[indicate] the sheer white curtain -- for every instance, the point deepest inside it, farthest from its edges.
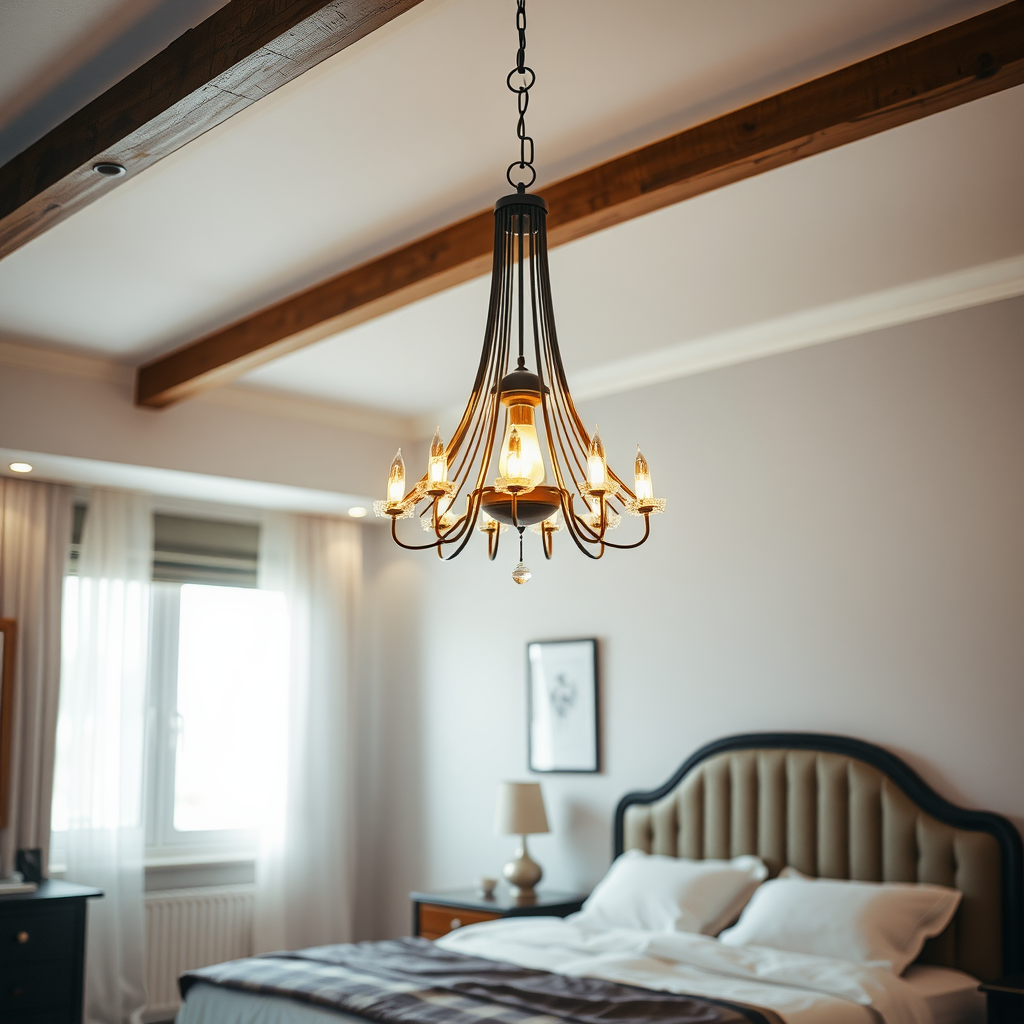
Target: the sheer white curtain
(305, 871)
(35, 535)
(100, 746)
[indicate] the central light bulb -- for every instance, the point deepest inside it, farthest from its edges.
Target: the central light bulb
(520, 448)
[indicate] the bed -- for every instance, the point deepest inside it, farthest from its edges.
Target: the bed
(818, 806)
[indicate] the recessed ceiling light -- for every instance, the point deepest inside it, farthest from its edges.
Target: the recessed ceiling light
(358, 512)
(111, 170)
(24, 467)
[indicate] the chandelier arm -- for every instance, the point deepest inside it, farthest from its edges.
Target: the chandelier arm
(402, 544)
(469, 533)
(581, 431)
(485, 354)
(497, 319)
(559, 387)
(642, 540)
(576, 523)
(521, 259)
(563, 435)
(569, 517)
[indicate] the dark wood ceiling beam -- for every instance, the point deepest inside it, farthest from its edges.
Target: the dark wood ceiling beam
(241, 53)
(964, 62)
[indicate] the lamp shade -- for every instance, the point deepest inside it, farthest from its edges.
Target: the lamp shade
(520, 809)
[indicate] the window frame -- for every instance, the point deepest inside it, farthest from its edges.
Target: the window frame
(165, 843)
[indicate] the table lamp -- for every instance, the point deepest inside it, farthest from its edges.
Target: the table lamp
(521, 813)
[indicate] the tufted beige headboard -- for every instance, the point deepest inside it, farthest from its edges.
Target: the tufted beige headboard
(835, 807)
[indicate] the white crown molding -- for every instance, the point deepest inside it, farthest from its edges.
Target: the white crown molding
(302, 407)
(48, 360)
(888, 308)
(174, 489)
(244, 399)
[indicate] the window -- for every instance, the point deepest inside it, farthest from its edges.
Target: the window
(218, 661)
(216, 707)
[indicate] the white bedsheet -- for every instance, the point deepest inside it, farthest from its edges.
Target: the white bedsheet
(802, 989)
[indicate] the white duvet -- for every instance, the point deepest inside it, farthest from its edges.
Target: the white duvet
(803, 989)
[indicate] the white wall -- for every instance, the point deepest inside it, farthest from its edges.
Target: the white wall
(843, 552)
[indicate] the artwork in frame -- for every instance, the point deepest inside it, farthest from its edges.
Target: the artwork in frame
(8, 634)
(562, 688)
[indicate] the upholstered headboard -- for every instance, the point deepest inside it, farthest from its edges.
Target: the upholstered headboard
(836, 807)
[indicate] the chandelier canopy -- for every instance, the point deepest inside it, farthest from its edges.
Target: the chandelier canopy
(472, 484)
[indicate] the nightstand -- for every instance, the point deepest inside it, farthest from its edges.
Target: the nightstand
(1005, 999)
(42, 952)
(437, 913)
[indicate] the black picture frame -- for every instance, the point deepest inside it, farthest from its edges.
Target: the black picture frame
(563, 733)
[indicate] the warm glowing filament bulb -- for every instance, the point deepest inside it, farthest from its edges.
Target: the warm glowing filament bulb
(437, 467)
(514, 455)
(396, 480)
(642, 479)
(520, 448)
(597, 468)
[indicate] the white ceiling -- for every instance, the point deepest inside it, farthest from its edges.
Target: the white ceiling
(57, 55)
(412, 127)
(897, 208)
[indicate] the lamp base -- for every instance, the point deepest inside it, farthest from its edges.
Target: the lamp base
(523, 873)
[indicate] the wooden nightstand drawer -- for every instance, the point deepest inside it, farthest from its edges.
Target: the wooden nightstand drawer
(436, 920)
(30, 934)
(438, 913)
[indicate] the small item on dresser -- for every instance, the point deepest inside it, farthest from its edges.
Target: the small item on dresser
(487, 886)
(16, 884)
(30, 864)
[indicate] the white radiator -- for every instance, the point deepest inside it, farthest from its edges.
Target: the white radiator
(188, 928)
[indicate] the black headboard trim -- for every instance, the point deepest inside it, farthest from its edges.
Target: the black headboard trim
(908, 780)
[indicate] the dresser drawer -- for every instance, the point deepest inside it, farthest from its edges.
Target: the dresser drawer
(28, 934)
(37, 991)
(437, 920)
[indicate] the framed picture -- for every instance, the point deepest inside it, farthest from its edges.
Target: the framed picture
(563, 731)
(8, 633)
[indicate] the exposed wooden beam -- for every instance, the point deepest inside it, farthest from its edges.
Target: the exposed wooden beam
(241, 53)
(939, 71)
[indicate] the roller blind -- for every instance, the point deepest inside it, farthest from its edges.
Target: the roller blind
(212, 551)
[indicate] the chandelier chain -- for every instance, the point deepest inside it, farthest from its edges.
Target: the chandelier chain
(525, 78)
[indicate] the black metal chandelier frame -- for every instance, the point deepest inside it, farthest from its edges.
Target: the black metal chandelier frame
(520, 269)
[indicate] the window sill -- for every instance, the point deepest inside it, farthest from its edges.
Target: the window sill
(197, 860)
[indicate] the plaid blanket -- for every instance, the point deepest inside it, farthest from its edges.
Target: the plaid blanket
(412, 981)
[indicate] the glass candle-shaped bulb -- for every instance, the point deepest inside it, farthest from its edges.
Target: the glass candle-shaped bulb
(396, 480)
(642, 479)
(437, 467)
(597, 467)
(529, 463)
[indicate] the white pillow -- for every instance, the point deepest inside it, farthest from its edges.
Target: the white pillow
(672, 894)
(868, 922)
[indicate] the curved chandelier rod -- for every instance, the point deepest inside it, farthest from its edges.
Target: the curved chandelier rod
(502, 479)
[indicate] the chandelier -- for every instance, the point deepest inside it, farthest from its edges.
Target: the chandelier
(472, 485)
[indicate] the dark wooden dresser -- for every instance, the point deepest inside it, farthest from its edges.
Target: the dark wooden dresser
(42, 954)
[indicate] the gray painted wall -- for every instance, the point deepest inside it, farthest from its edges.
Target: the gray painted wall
(843, 552)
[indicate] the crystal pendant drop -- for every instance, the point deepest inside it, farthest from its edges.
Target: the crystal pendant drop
(521, 574)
